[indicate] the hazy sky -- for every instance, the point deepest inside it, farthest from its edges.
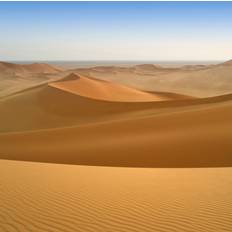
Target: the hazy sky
(115, 30)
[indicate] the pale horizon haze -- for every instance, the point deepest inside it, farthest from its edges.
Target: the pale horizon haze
(115, 31)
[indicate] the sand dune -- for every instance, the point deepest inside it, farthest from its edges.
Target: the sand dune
(227, 63)
(193, 80)
(47, 107)
(87, 119)
(17, 77)
(190, 80)
(107, 91)
(6, 67)
(48, 197)
(180, 133)
(197, 136)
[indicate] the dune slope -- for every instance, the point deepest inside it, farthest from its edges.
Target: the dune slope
(103, 90)
(194, 80)
(193, 137)
(6, 67)
(77, 100)
(47, 107)
(17, 77)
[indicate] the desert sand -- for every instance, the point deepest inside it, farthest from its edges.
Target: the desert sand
(141, 148)
(17, 77)
(51, 197)
(195, 80)
(103, 90)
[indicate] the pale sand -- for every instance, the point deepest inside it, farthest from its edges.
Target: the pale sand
(190, 80)
(6, 67)
(17, 77)
(197, 81)
(48, 197)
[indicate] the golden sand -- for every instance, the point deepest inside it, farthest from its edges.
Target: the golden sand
(151, 161)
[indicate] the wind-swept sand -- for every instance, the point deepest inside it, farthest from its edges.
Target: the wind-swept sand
(6, 67)
(165, 157)
(193, 136)
(193, 80)
(103, 90)
(18, 77)
(55, 105)
(48, 197)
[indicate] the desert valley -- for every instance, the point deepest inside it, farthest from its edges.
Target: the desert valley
(116, 148)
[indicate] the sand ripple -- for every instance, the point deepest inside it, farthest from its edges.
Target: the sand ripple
(49, 197)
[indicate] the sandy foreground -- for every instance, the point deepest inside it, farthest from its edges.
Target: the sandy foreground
(50, 197)
(79, 153)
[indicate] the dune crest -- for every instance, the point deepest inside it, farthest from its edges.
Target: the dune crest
(103, 90)
(227, 63)
(6, 67)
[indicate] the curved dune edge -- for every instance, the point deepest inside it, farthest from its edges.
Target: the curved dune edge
(46, 107)
(161, 136)
(106, 91)
(79, 198)
(181, 139)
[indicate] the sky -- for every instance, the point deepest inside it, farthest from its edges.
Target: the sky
(115, 31)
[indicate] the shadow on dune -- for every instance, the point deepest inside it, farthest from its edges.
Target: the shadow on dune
(103, 133)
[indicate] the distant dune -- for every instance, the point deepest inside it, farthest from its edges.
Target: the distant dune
(17, 77)
(6, 67)
(107, 91)
(192, 80)
(227, 63)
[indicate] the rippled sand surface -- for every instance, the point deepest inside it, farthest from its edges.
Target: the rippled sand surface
(50, 197)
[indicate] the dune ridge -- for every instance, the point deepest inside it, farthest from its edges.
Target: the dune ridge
(193, 80)
(107, 91)
(46, 107)
(150, 140)
(15, 78)
(6, 67)
(190, 80)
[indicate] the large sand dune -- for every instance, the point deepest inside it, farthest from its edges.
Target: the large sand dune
(107, 91)
(144, 135)
(48, 107)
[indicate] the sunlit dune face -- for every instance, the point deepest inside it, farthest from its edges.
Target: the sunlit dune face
(107, 91)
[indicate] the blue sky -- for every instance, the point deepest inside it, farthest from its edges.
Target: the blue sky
(115, 30)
